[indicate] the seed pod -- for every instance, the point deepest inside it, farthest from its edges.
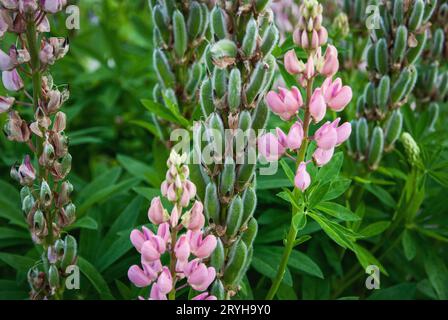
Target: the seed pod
(250, 38)
(443, 85)
(415, 53)
(161, 22)
(38, 220)
(206, 98)
(360, 106)
(219, 25)
(208, 59)
(234, 216)
(400, 44)
(260, 5)
(234, 94)
(251, 232)
(194, 22)
(199, 178)
(260, 116)
(70, 213)
(370, 96)
(212, 207)
(416, 18)
(270, 74)
(371, 56)
(235, 266)
(250, 203)
(245, 173)
(217, 257)
(180, 34)
(398, 11)
(438, 43)
(382, 56)
(53, 277)
(381, 31)
(163, 69)
(48, 155)
(351, 142)
(204, 19)
(270, 39)
(412, 80)
(157, 93)
(170, 6)
(393, 128)
(256, 81)
(383, 92)
(376, 148)
(218, 290)
(433, 115)
(362, 136)
(399, 88)
(216, 132)
(28, 203)
(244, 121)
(430, 7)
(432, 76)
(220, 82)
(227, 177)
(70, 252)
(46, 195)
(223, 53)
(195, 77)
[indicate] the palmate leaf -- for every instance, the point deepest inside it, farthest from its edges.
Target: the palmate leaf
(18, 262)
(139, 169)
(169, 114)
(366, 259)
(338, 211)
(375, 229)
(268, 268)
(330, 171)
(437, 273)
(95, 278)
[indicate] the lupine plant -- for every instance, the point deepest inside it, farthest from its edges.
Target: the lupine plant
(240, 70)
(40, 125)
(300, 144)
(179, 39)
(177, 237)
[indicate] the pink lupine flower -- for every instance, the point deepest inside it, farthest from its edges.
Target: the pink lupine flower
(165, 281)
(322, 156)
(53, 6)
(153, 248)
(174, 217)
(138, 277)
(295, 136)
(6, 103)
(302, 179)
(317, 105)
(286, 103)
(156, 294)
(6, 63)
(26, 172)
(309, 68)
(201, 248)
(269, 147)
(182, 248)
(292, 64)
(204, 296)
(164, 232)
(194, 219)
(330, 63)
(12, 80)
(323, 36)
(198, 275)
(326, 136)
(137, 239)
(314, 40)
(156, 212)
(336, 96)
(344, 131)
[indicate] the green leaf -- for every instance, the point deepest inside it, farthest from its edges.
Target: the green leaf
(148, 126)
(338, 187)
(18, 262)
(366, 259)
(269, 269)
(299, 221)
(95, 278)
(105, 180)
(288, 171)
(331, 170)
(288, 196)
(120, 247)
(301, 262)
(139, 169)
(85, 223)
(438, 274)
(318, 194)
(148, 193)
(382, 195)
(403, 291)
(9, 233)
(338, 211)
(375, 229)
(409, 245)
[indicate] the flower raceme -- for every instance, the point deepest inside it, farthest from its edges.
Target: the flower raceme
(165, 240)
(287, 104)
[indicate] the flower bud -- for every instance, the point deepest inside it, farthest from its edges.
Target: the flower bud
(156, 213)
(292, 64)
(26, 172)
(302, 179)
(138, 277)
(48, 155)
(28, 204)
(46, 195)
(211, 204)
(182, 248)
(295, 136)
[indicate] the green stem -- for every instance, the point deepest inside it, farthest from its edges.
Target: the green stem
(292, 234)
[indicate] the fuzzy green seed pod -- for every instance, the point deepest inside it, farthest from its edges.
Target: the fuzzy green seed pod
(383, 92)
(438, 43)
(399, 88)
(218, 256)
(250, 39)
(194, 22)
(234, 94)
(70, 252)
(170, 6)
(398, 11)
(163, 69)
(28, 203)
(235, 266)
(206, 98)
(218, 22)
(360, 106)
(269, 41)
(24, 192)
(227, 177)
(270, 74)
(251, 232)
(376, 148)
(208, 59)
(394, 125)
(382, 56)
(218, 290)
(400, 44)
(212, 206)
(220, 82)
(412, 80)
(371, 56)
(45, 194)
(256, 81)
(260, 5)
(198, 177)
(244, 121)
(430, 7)
(260, 116)
(180, 34)
(194, 79)
(53, 277)
(362, 136)
(250, 203)
(205, 19)
(245, 173)
(223, 53)
(234, 216)
(161, 22)
(351, 142)
(370, 96)
(443, 85)
(432, 76)
(416, 18)
(381, 31)
(38, 220)
(415, 53)
(434, 111)
(411, 148)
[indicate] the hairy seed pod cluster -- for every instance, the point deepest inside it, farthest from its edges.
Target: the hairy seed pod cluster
(240, 70)
(396, 45)
(45, 193)
(180, 34)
